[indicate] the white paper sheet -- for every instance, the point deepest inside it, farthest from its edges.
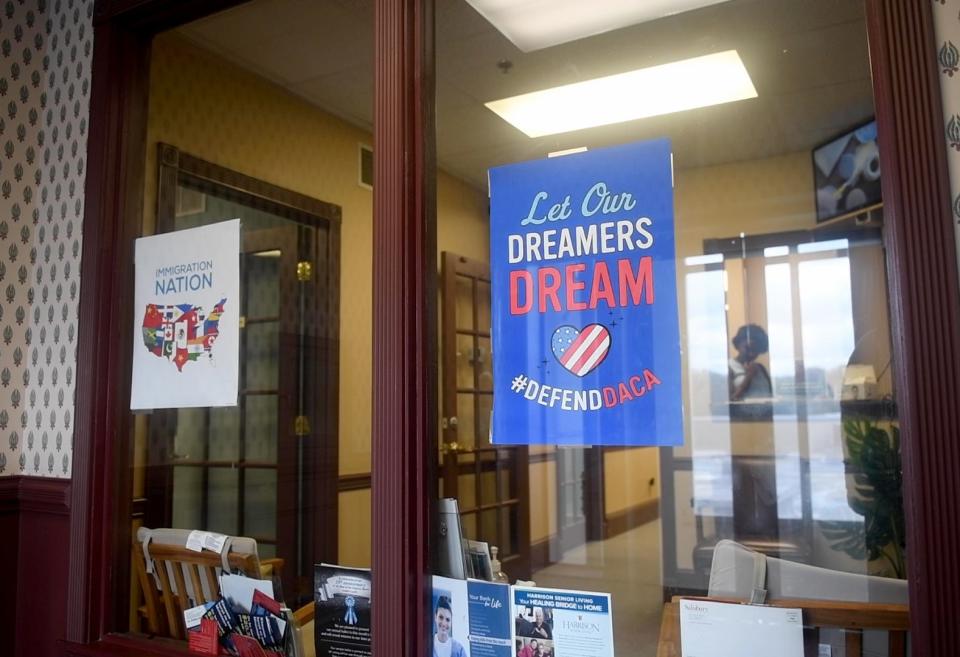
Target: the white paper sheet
(715, 629)
(186, 318)
(199, 540)
(214, 542)
(192, 616)
(195, 540)
(238, 590)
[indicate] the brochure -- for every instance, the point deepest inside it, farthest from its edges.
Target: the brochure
(342, 619)
(558, 623)
(450, 615)
(471, 618)
(490, 631)
(478, 554)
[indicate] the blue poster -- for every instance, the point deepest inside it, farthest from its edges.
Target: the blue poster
(490, 631)
(586, 339)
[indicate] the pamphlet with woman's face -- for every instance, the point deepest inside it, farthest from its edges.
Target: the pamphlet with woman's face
(451, 618)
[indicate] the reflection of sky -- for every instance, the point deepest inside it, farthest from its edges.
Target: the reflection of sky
(706, 317)
(706, 322)
(780, 321)
(827, 313)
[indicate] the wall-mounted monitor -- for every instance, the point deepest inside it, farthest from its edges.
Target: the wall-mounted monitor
(846, 172)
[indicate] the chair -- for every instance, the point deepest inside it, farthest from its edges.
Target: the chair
(733, 572)
(303, 630)
(176, 578)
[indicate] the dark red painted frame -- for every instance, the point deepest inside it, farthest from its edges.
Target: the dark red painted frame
(921, 262)
(925, 310)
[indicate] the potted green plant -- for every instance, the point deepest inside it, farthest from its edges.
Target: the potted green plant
(875, 483)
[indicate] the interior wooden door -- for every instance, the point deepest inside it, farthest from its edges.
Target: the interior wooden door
(241, 470)
(267, 467)
(490, 482)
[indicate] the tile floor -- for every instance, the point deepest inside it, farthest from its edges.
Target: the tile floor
(628, 567)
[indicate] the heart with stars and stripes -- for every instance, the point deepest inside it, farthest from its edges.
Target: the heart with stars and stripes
(581, 350)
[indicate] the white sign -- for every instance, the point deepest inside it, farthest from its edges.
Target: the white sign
(715, 629)
(558, 622)
(186, 328)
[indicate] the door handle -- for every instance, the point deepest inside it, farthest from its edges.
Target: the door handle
(451, 448)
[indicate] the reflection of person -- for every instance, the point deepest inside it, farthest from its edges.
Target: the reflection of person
(532, 649)
(445, 645)
(521, 625)
(748, 378)
(540, 628)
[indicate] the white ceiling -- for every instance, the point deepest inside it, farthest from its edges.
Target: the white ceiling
(807, 58)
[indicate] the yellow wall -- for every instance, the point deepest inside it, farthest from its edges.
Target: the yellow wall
(353, 518)
(216, 111)
(627, 476)
(754, 197)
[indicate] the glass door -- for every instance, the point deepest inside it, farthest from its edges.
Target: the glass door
(488, 482)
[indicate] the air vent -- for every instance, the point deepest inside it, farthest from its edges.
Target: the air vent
(366, 166)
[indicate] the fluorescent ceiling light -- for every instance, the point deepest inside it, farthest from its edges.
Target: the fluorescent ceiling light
(535, 24)
(568, 151)
(776, 251)
(674, 87)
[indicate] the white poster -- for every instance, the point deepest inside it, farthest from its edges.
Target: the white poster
(186, 328)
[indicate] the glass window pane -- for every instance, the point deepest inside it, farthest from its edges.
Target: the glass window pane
(784, 347)
(278, 145)
(261, 428)
(261, 274)
(262, 358)
(466, 358)
(464, 303)
(223, 514)
(467, 429)
(260, 503)
(224, 427)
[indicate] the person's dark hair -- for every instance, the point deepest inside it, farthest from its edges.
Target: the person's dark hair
(753, 334)
(443, 602)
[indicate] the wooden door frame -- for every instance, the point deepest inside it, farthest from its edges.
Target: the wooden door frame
(517, 564)
(321, 445)
(922, 265)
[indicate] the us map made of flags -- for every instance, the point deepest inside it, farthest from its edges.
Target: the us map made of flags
(181, 333)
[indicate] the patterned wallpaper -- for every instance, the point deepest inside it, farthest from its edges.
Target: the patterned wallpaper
(46, 48)
(946, 19)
